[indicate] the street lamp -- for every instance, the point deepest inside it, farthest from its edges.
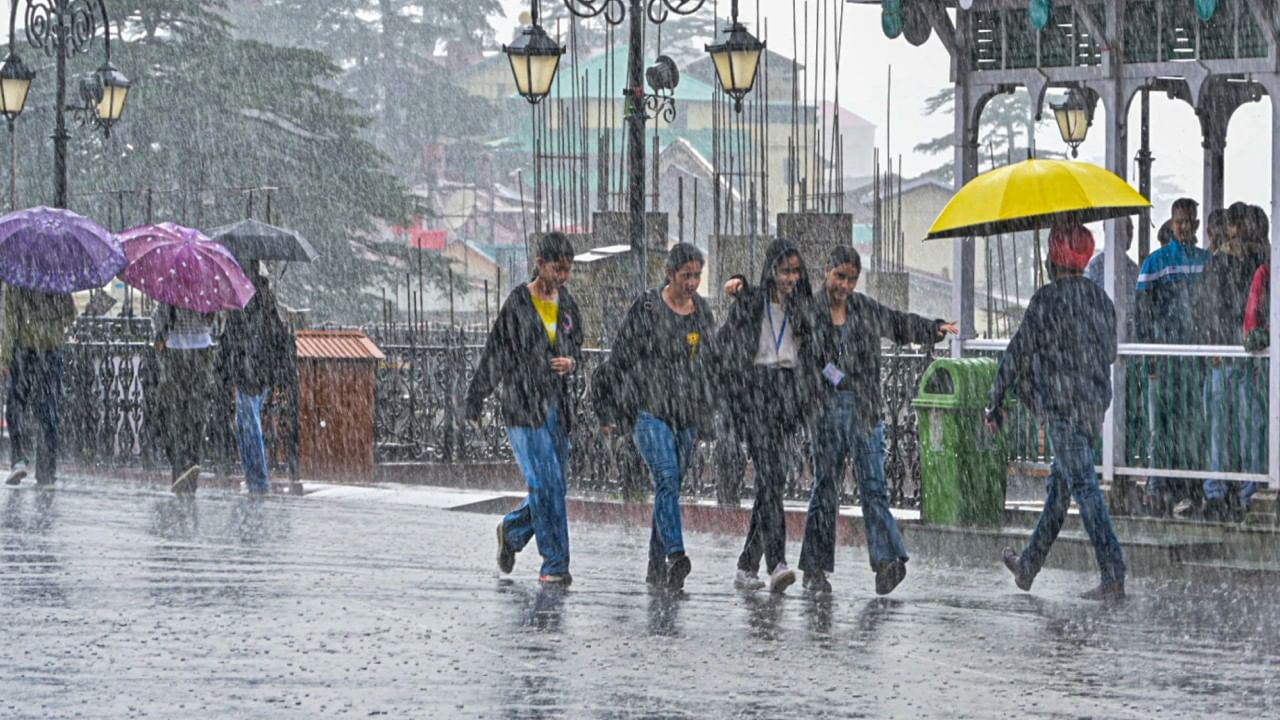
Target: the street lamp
(1074, 115)
(61, 28)
(736, 60)
(534, 59)
(534, 72)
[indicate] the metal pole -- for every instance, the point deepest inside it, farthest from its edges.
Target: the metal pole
(1144, 177)
(60, 134)
(635, 115)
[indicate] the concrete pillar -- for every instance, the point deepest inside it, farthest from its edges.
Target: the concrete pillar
(1115, 97)
(967, 113)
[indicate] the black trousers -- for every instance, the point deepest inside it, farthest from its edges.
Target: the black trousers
(187, 388)
(774, 417)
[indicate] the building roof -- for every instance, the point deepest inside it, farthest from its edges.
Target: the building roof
(336, 345)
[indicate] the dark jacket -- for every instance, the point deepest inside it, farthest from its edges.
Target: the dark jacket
(257, 348)
(654, 369)
(739, 338)
(517, 362)
(1222, 295)
(1061, 355)
(867, 322)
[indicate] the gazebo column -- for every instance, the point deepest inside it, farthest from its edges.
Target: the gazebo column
(1213, 129)
(1272, 84)
(963, 257)
(1115, 97)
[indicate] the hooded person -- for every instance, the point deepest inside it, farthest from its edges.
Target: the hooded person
(1060, 359)
(770, 382)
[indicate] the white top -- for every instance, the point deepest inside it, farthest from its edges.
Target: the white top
(777, 347)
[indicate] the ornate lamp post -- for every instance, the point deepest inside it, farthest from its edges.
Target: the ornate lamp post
(738, 54)
(1074, 115)
(61, 28)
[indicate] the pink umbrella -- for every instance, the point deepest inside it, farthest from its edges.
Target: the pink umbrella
(181, 267)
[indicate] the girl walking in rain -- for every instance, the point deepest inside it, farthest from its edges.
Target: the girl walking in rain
(769, 352)
(852, 325)
(663, 363)
(533, 347)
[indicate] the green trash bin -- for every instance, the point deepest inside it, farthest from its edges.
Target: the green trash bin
(964, 467)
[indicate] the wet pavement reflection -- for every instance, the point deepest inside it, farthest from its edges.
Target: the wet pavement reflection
(124, 601)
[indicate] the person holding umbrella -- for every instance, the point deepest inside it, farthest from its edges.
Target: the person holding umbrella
(35, 326)
(192, 279)
(1061, 359)
(45, 255)
(534, 346)
(256, 348)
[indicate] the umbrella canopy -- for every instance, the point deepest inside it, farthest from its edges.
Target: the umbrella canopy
(1035, 194)
(56, 251)
(181, 267)
(254, 240)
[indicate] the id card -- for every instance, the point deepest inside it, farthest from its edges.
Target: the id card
(832, 374)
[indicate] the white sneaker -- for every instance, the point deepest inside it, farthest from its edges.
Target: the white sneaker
(17, 473)
(186, 482)
(781, 578)
(747, 581)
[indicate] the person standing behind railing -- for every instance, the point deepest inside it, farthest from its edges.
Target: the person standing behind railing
(1061, 359)
(1165, 292)
(1219, 320)
(535, 344)
(31, 342)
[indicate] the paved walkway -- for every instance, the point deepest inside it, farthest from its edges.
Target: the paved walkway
(124, 601)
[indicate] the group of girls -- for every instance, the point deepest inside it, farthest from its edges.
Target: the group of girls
(785, 358)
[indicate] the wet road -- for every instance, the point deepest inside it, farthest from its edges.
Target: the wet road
(122, 601)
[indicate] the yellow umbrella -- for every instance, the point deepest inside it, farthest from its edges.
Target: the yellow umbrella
(1035, 194)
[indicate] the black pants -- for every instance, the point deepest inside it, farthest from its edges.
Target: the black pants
(35, 384)
(774, 416)
(186, 386)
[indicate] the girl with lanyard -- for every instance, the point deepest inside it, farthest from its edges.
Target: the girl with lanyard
(851, 325)
(662, 362)
(768, 352)
(532, 348)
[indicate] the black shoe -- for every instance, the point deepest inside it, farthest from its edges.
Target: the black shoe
(18, 473)
(1105, 592)
(889, 575)
(560, 579)
(657, 573)
(678, 568)
(506, 556)
(816, 583)
(1216, 510)
(187, 481)
(1022, 580)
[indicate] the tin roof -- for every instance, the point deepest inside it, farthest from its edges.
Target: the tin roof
(337, 345)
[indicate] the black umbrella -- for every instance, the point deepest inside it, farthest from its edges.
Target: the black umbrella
(252, 240)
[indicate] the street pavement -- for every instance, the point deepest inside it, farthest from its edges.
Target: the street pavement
(121, 600)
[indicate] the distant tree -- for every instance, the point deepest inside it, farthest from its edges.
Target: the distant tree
(208, 114)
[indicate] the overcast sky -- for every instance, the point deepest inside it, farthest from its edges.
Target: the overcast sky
(920, 71)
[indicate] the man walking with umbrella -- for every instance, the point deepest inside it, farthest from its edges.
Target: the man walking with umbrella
(31, 342)
(1060, 359)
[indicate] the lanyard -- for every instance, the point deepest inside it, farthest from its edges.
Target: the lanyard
(777, 340)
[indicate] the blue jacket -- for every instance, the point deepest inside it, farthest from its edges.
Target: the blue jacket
(1166, 288)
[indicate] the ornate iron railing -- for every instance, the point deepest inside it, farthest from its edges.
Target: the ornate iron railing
(417, 418)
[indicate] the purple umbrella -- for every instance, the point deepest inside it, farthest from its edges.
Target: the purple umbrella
(56, 251)
(181, 267)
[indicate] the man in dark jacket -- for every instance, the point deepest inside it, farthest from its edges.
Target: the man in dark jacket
(257, 351)
(1061, 358)
(768, 347)
(533, 347)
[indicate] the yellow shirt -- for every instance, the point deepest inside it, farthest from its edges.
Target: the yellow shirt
(548, 311)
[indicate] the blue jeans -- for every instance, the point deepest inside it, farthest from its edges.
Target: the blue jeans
(1071, 475)
(543, 456)
(253, 450)
(839, 436)
(35, 381)
(1234, 416)
(666, 452)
